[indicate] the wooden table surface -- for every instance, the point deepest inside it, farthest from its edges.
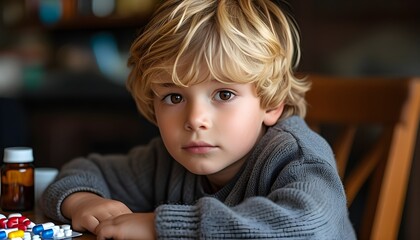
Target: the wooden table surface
(38, 217)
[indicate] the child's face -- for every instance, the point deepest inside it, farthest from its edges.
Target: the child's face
(209, 127)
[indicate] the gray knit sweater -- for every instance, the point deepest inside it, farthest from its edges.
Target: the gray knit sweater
(289, 188)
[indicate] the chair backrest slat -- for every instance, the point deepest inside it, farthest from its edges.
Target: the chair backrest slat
(393, 107)
(376, 100)
(342, 147)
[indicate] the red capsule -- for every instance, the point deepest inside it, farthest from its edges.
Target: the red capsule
(3, 223)
(26, 223)
(22, 219)
(12, 222)
(21, 226)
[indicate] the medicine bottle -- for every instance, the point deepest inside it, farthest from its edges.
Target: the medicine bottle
(17, 179)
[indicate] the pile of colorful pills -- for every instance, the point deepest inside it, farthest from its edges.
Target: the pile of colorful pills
(17, 227)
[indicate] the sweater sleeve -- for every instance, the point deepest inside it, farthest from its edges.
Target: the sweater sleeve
(311, 206)
(126, 178)
(76, 176)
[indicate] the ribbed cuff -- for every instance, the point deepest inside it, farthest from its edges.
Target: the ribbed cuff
(177, 221)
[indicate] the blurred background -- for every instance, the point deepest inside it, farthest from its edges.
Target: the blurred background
(63, 69)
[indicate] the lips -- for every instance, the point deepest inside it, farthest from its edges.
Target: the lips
(199, 147)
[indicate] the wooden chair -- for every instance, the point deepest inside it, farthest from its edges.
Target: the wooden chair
(383, 171)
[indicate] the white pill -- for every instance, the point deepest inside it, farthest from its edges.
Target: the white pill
(68, 233)
(15, 215)
(66, 227)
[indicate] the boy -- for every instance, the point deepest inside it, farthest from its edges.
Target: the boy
(235, 159)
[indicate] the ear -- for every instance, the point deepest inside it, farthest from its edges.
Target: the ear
(273, 114)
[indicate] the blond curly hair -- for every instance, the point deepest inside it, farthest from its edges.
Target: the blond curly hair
(237, 41)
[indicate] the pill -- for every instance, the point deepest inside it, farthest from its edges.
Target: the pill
(5, 232)
(16, 234)
(52, 233)
(21, 226)
(30, 225)
(66, 227)
(49, 233)
(68, 232)
(26, 223)
(59, 234)
(3, 223)
(2, 216)
(41, 227)
(12, 222)
(22, 219)
(15, 215)
(27, 236)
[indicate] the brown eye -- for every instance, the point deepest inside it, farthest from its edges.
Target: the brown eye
(176, 98)
(172, 99)
(224, 95)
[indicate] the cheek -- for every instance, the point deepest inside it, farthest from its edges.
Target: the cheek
(244, 124)
(166, 124)
(167, 133)
(250, 116)
(240, 137)
(170, 124)
(163, 121)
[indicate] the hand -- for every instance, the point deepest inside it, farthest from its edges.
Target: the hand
(127, 226)
(86, 210)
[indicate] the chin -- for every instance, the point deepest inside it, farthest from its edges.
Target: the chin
(202, 171)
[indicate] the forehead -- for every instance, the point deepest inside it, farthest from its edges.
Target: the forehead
(184, 74)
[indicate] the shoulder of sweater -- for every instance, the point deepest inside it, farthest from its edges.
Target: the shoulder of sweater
(309, 143)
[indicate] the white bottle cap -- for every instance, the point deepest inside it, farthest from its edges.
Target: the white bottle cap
(18, 155)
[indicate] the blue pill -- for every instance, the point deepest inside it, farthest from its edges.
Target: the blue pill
(49, 233)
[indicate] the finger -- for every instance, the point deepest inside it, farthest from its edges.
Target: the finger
(106, 230)
(85, 224)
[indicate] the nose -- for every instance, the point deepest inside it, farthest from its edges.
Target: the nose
(197, 117)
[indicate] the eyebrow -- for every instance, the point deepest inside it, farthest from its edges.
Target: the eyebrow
(166, 85)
